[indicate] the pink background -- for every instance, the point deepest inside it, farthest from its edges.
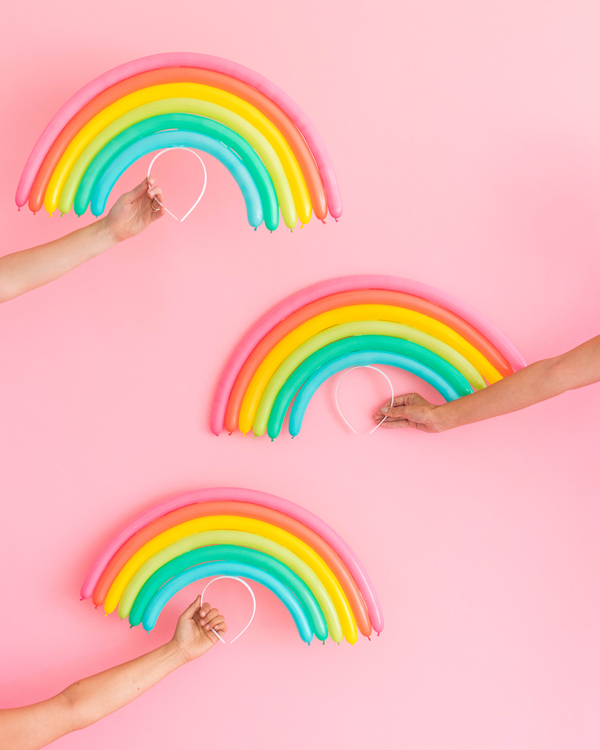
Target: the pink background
(466, 138)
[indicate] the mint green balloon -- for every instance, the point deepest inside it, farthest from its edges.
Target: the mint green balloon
(231, 553)
(241, 539)
(350, 337)
(185, 122)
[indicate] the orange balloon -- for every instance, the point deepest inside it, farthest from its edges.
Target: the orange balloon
(247, 510)
(222, 81)
(354, 297)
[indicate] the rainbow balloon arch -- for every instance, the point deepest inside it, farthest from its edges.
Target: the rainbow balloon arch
(355, 321)
(183, 100)
(237, 532)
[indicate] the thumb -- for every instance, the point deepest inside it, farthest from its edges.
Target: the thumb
(191, 610)
(137, 191)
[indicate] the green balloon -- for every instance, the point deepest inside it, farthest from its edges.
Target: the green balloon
(232, 553)
(350, 337)
(176, 121)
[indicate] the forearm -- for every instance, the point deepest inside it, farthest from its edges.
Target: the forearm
(92, 698)
(25, 270)
(531, 385)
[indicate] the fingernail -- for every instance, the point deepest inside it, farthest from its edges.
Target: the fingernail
(384, 410)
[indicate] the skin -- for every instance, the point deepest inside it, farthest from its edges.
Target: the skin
(93, 698)
(25, 270)
(534, 383)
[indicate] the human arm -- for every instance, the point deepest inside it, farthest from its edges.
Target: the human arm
(534, 383)
(25, 270)
(93, 698)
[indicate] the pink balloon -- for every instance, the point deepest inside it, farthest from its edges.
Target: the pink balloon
(191, 60)
(344, 284)
(251, 496)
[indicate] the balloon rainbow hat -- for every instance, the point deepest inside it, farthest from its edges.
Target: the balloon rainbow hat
(243, 533)
(183, 100)
(348, 322)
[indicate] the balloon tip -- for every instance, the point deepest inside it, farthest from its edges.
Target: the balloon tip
(18, 208)
(292, 231)
(378, 634)
(336, 220)
(34, 213)
(255, 228)
(323, 221)
(96, 607)
(81, 598)
(369, 637)
(230, 434)
(130, 627)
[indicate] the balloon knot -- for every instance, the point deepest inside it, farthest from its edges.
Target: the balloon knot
(34, 213)
(255, 228)
(18, 208)
(272, 439)
(96, 607)
(336, 221)
(369, 637)
(301, 226)
(230, 434)
(378, 634)
(130, 627)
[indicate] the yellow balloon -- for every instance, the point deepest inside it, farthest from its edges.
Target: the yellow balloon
(348, 314)
(233, 104)
(239, 523)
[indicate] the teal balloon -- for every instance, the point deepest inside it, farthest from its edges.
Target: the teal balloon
(189, 123)
(446, 372)
(239, 569)
(358, 359)
(179, 139)
(231, 553)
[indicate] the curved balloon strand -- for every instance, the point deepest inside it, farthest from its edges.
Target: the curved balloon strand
(234, 112)
(182, 59)
(228, 553)
(346, 315)
(238, 494)
(356, 359)
(195, 107)
(130, 604)
(184, 75)
(163, 595)
(179, 139)
(106, 583)
(181, 122)
(220, 413)
(238, 523)
(278, 398)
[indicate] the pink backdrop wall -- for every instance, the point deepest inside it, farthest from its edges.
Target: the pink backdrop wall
(466, 137)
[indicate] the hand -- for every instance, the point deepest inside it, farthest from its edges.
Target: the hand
(410, 410)
(193, 635)
(135, 210)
